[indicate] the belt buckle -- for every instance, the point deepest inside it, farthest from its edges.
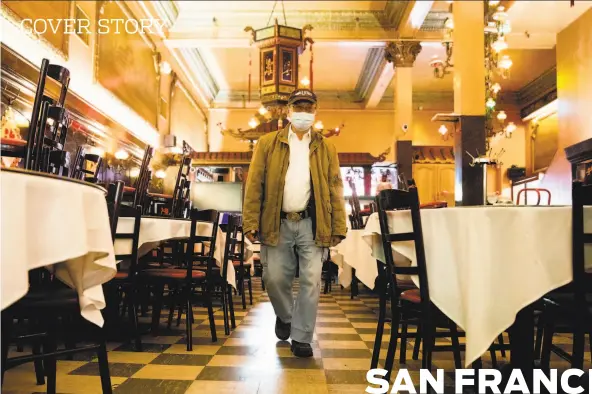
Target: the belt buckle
(293, 216)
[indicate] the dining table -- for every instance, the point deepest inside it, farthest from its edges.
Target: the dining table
(487, 265)
(156, 229)
(58, 223)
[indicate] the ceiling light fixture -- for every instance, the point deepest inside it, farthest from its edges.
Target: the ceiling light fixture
(121, 154)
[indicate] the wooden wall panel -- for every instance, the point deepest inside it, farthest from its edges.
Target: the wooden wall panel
(46, 10)
(125, 64)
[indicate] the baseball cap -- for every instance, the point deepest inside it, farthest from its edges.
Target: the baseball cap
(302, 95)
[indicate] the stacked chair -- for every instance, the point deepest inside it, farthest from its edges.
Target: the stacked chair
(569, 309)
(48, 128)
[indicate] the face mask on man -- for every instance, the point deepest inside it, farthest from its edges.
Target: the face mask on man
(302, 120)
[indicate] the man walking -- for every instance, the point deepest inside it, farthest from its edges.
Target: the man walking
(294, 206)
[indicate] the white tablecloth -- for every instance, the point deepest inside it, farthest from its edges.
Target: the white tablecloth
(155, 230)
(59, 224)
(487, 263)
(352, 254)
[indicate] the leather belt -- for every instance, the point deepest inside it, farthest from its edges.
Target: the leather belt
(295, 216)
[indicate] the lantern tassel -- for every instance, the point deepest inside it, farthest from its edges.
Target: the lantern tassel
(311, 63)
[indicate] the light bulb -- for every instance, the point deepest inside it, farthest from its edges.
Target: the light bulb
(499, 45)
(501, 116)
(495, 88)
(449, 24)
(160, 174)
(505, 62)
(165, 68)
(318, 125)
(305, 81)
(262, 110)
(121, 154)
(510, 128)
(493, 3)
(253, 123)
(95, 150)
(337, 129)
(506, 27)
(443, 130)
(134, 172)
(490, 103)
(500, 15)
(176, 150)
(490, 28)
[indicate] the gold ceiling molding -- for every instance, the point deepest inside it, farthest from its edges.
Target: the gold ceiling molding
(127, 64)
(17, 11)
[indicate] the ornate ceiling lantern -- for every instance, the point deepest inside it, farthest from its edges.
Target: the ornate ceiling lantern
(279, 49)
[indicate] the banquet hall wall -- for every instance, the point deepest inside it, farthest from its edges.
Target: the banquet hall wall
(574, 91)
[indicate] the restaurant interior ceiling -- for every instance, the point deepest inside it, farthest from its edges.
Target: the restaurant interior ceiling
(349, 39)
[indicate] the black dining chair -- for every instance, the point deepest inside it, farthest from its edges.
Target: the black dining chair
(569, 309)
(37, 124)
(410, 306)
(125, 281)
(241, 267)
(86, 166)
(187, 277)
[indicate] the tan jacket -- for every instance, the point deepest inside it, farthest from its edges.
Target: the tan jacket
(265, 188)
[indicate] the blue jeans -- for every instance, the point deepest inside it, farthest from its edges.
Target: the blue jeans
(279, 268)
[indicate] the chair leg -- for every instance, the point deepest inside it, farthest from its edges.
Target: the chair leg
(208, 300)
(500, 340)
(579, 339)
(392, 348)
(403, 351)
(133, 316)
(262, 284)
(189, 320)
(250, 287)
(429, 338)
(173, 302)
(538, 344)
(19, 346)
(493, 358)
(242, 291)
(104, 368)
(417, 343)
(231, 307)
(224, 300)
(157, 308)
(50, 363)
(455, 345)
(379, 328)
(547, 340)
(6, 333)
(181, 309)
(38, 363)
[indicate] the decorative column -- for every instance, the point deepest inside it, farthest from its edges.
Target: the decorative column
(403, 54)
(469, 99)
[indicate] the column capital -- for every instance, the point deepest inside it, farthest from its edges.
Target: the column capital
(402, 53)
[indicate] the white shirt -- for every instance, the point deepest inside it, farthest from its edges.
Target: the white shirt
(297, 184)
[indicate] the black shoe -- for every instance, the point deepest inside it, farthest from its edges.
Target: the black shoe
(300, 349)
(282, 330)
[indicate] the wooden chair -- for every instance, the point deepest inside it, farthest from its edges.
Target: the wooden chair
(125, 280)
(138, 193)
(569, 309)
(410, 306)
(538, 191)
(237, 255)
(50, 138)
(186, 278)
(62, 76)
(86, 166)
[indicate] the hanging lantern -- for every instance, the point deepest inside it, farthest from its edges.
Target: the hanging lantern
(278, 53)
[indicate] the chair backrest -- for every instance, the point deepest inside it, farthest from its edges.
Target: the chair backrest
(141, 184)
(50, 137)
(212, 218)
(133, 237)
(582, 280)
(182, 189)
(355, 216)
(230, 252)
(114, 198)
(395, 200)
(538, 191)
(62, 76)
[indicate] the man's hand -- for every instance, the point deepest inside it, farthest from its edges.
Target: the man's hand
(335, 241)
(251, 236)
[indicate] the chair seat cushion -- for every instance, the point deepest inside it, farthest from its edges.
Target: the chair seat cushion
(172, 273)
(160, 195)
(50, 298)
(129, 189)
(411, 296)
(121, 275)
(158, 265)
(237, 263)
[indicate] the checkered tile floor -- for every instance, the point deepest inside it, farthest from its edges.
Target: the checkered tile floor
(250, 360)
